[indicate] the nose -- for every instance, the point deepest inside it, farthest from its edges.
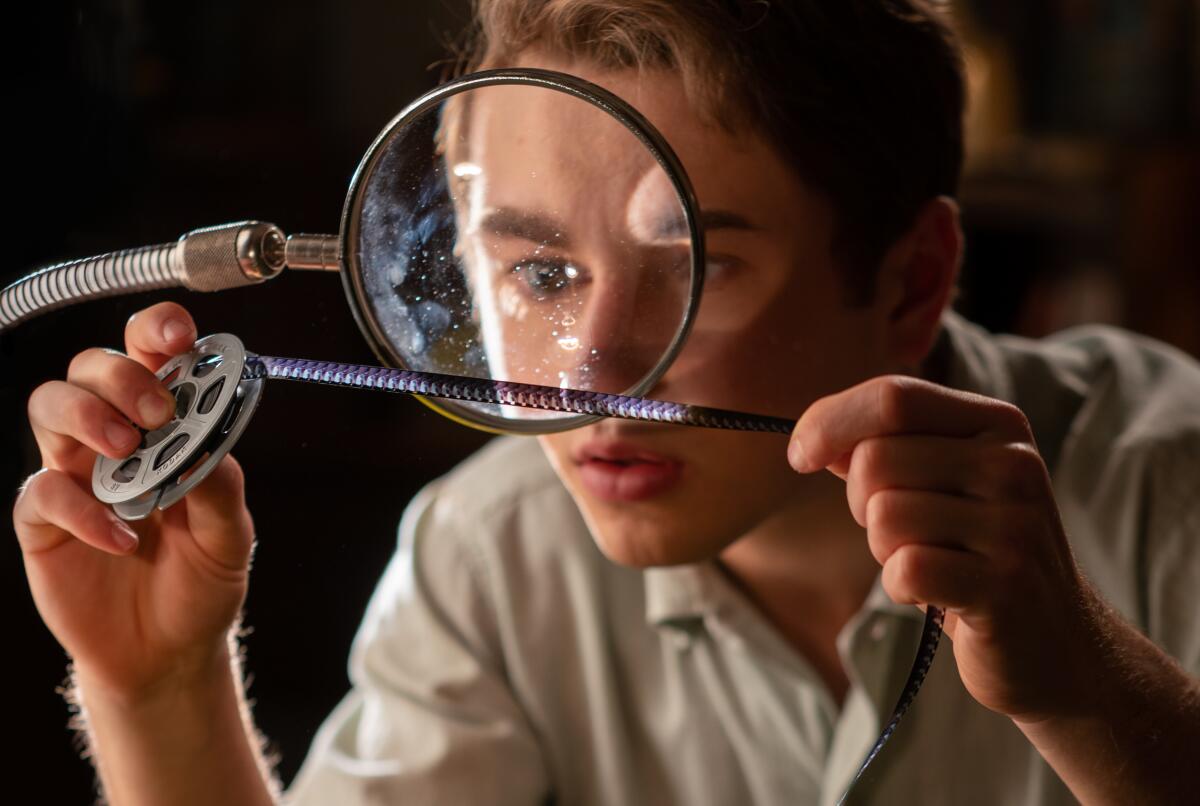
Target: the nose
(627, 323)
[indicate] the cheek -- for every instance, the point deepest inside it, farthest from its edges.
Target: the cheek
(782, 361)
(557, 448)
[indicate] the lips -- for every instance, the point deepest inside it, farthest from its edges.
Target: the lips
(622, 472)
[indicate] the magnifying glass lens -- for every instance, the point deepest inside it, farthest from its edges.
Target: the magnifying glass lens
(519, 233)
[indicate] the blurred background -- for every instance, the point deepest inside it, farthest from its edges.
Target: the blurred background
(131, 122)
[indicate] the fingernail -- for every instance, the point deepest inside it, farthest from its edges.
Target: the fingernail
(154, 409)
(796, 456)
(175, 330)
(120, 436)
(123, 535)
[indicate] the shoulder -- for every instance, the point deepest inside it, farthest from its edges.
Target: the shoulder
(1138, 421)
(478, 549)
(503, 475)
(1093, 394)
(504, 495)
(504, 516)
(1132, 450)
(1141, 390)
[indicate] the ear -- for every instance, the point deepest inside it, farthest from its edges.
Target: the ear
(917, 279)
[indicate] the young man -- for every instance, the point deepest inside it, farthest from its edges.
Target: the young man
(640, 613)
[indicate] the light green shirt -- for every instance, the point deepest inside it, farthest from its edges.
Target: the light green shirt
(504, 660)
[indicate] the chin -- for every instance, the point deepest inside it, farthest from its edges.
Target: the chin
(645, 535)
(651, 498)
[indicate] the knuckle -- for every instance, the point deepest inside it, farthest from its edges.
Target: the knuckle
(1030, 466)
(39, 398)
(911, 566)
(868, 457)
(883, 511)
(1012, 417)
(894, 399)
(1018, 469)
(34, 491)
(83, 413)
(82, 360)
(32, 486)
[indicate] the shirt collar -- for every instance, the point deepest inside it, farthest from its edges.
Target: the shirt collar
(677, 596)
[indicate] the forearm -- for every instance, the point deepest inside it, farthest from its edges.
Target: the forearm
(191, 743)
(1135, 738)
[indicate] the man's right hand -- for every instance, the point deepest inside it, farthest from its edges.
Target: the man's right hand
(137, 606)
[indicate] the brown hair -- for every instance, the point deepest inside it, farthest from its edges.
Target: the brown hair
(864, 98)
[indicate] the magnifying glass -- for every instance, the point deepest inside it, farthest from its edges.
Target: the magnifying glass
(528, 227)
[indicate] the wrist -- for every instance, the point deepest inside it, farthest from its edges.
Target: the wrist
(198, 675)
(1125, 732)
(178, 740)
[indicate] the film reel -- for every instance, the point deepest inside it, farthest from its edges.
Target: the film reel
(214, 399)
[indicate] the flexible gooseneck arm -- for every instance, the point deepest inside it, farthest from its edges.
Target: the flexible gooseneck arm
(209, 259)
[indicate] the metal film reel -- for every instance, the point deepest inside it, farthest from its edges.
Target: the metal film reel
(213, 402)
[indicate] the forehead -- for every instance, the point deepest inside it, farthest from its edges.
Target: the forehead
(532, 154)
(734, 170)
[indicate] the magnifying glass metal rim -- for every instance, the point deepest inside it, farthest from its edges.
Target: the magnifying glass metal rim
(548, 79)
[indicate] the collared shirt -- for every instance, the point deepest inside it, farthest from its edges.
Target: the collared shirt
(504, 660)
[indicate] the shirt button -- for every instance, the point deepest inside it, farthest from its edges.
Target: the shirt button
(879, 630)
(682, 640)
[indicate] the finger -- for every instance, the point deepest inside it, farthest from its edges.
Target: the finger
(217, 517)
(159, 332)
(52, 509)
(924, 574)
(895, 404)
(982, 469)
(897, 518)
(125, 384)
(65, 417)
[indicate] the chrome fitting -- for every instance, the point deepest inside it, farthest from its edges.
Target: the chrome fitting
(260, 250)
(317, 252)
(231, 255)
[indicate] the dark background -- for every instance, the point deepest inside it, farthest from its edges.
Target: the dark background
(131, 122)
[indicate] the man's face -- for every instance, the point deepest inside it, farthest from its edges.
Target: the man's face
(772, 333)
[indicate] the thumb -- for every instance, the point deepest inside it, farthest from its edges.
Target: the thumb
(216, 515)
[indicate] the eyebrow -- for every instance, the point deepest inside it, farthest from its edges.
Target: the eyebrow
(514, 223)
(539, 228)
(676, 226)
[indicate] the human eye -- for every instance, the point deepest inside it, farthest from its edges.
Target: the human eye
(719, 270)
(544, 278)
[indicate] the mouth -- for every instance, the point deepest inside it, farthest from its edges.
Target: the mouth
(622, 472)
